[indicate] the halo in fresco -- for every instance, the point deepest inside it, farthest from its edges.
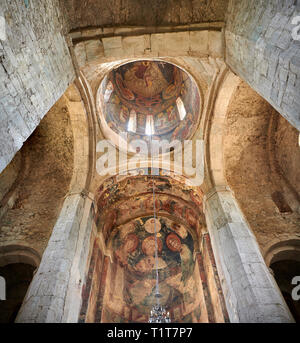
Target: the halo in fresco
(149, 225)
(148, 246)
(173, 242)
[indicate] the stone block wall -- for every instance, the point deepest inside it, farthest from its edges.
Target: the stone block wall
(34, 184)
(92, 13)
(45, 300)
(260, 48)
(35, 69)
(184, 40)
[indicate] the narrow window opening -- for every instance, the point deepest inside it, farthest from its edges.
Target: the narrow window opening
(280, 202)
(108, 91)
(149, 130)
(132, 122)
(181, 108)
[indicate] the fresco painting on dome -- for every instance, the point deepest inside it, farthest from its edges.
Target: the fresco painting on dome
(139, 205)
(115, 188)
(122, 196)
(150, 88)
(131, 297)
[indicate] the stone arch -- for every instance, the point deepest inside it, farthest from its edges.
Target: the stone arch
(282, 248)
(214, 130)
(283, 259)
(19, 254)
(17, 267)
(57, 160)
(82, 123)
(135, 193)
(33, 201)
(260, 156)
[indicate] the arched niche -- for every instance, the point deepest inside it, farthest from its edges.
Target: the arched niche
(123, 197)
(121, 275)
(19, 254)
(283, 258)
(17, 267)
(17, 277)
(131, 280)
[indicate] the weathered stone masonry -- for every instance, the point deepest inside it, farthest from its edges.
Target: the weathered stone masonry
(35, 69)
(260, 48)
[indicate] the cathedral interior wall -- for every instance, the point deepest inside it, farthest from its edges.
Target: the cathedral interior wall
(260, 161)
(260, 48)
(32, 203)
(35, 70)
(137, 13)
(246, 66)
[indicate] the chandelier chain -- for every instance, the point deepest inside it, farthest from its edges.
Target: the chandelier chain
(158, 313)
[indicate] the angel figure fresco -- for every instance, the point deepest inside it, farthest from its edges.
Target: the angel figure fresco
(183, 130)
(130, 244)
(187, 263)
(171, 113)
(160, 120)
(124, 114)
(180, 230)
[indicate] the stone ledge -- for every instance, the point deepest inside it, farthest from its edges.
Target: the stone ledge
(100, 32)
(184, 43)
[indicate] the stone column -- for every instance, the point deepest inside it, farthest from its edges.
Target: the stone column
(51, 293)
(251, 293)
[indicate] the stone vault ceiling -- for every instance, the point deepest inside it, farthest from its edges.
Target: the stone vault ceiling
(91, 13)
(154, 97)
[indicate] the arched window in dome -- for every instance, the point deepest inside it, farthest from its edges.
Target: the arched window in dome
(181, 108)
(108, 91)
(132, 122)
(149, 130)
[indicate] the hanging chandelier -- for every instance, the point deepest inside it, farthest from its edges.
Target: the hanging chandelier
(158, 314)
